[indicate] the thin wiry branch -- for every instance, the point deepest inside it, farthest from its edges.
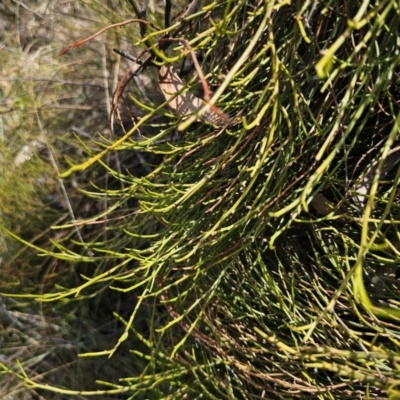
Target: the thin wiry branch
(141, 13)
(167, 14)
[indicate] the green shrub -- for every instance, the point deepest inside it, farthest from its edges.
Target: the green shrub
(258, 259)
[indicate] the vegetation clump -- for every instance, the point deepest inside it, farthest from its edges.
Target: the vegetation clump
(255, 259)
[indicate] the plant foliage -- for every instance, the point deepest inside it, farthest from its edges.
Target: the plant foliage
(256, 260)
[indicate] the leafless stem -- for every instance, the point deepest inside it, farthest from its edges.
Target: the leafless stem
(167, 15)
(141, 14)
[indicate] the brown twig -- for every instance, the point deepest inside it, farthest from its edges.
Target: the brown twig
(81, 42)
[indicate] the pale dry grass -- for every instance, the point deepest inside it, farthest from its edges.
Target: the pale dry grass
(44, 102)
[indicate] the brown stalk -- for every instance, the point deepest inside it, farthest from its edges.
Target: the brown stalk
(81, 42)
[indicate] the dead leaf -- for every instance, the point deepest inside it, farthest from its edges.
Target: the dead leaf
(186, 103)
